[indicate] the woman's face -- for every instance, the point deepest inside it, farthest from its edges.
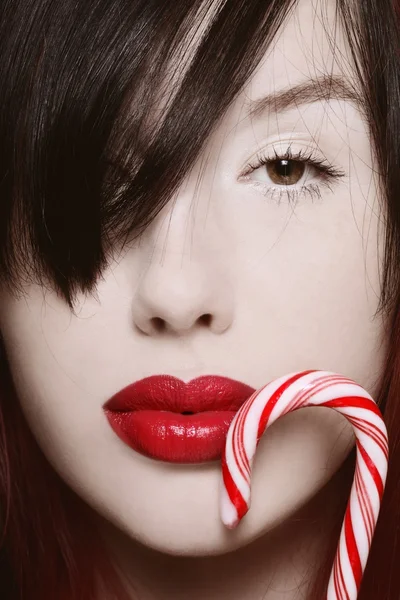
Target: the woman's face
(288, 273)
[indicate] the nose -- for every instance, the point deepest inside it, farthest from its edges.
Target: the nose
(184, 283)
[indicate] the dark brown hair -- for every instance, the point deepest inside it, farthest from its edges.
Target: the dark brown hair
(84, 167)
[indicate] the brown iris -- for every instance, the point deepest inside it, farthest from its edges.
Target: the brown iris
(285, 172)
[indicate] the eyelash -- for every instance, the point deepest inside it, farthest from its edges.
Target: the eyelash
(326, 172)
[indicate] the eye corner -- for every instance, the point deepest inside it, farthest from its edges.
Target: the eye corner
(245, 172)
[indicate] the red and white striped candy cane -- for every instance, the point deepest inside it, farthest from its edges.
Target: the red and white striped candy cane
(300, 390)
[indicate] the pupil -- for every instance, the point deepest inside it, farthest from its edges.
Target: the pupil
(286, 171)
(284, 168)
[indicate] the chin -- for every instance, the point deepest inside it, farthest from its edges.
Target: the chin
(190, 533)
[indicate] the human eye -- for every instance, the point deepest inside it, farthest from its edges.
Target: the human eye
(291, 175)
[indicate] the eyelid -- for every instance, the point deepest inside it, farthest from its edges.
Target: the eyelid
(276, 147)
(305, 155)
(326, 175)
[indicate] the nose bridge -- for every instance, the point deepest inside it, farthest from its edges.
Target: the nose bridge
(186, 227)
(176, 235)
(183, 279)
(180, 237)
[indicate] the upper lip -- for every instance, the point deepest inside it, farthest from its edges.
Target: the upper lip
(165, 392)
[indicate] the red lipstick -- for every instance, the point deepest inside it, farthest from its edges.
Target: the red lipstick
(167, 419)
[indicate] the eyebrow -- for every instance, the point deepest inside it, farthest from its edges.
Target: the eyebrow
(322, 88)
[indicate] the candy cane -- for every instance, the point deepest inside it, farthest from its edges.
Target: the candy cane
(290, 393)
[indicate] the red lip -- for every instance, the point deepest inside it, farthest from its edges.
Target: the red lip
(167, 419)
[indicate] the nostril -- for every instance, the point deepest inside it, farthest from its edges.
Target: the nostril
(159, 324)
(205, 319)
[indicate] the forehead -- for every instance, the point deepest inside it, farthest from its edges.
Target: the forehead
(310, 44)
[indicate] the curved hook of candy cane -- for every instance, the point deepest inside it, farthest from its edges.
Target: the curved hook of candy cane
(293, 392)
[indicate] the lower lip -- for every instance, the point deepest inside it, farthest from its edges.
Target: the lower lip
(173, 437)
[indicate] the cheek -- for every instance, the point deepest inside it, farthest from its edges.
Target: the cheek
(51, 396)
(309, 288)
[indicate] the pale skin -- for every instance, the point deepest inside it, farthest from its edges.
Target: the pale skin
(291, 283)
